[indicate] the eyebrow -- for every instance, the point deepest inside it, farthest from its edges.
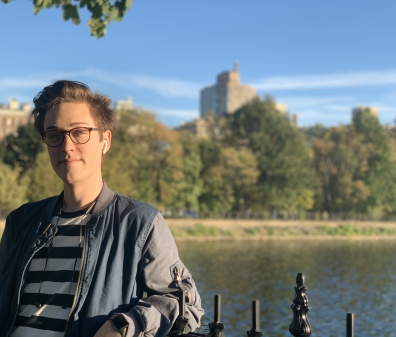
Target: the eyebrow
(72, 124)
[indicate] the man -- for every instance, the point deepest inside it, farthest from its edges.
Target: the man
(88, 262)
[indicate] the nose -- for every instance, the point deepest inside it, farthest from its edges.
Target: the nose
(67, 144)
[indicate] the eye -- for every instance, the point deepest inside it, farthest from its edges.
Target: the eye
(53, 135)
(79, 132)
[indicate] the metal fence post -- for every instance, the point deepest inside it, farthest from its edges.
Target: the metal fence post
(255, 331)
(216, 328)
(299, 326)
(350, 325)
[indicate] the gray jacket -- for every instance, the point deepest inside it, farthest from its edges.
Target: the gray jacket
(128, 251)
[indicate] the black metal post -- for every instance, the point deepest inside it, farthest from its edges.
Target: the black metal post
(299, 326)
(217, 309)
(182, 303)
(256, 315)
(216, 328)
(350, 325)
(255, 331)
(181, 321)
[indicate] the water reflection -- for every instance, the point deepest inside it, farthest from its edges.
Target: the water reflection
(341, 277)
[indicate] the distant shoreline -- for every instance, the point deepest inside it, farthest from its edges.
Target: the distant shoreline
(238, 229)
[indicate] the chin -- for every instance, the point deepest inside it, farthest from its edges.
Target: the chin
(70, 179)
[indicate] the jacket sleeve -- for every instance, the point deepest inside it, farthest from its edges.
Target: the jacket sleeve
(162, 274)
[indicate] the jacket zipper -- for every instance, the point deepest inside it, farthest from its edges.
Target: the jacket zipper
(48, 227)
(79, 278)
(24, 270)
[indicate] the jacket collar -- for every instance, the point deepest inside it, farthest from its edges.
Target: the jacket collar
(106, 195)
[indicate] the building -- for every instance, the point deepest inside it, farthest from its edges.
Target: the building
(372, 109)
(13, 116)
(227, 95)
(124, 105)
(281, 107)
(197, 127)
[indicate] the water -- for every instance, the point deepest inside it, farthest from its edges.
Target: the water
(340, 276)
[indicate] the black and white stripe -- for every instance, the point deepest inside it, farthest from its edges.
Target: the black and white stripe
(58, 280)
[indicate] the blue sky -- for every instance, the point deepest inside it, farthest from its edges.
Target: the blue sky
(321, 58)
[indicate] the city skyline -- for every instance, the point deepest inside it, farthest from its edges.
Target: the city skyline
(321, 60)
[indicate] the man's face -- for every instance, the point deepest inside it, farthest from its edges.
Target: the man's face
(76, 163)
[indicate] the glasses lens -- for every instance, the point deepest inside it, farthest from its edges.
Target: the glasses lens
(79, 135)
(53, 138)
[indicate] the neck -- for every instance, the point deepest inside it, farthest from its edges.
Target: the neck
(77, 197)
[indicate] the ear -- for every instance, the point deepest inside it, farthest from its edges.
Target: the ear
(107, 141)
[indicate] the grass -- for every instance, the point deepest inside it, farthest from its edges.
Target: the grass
(200, 230)
(344, 230)
(351, 230)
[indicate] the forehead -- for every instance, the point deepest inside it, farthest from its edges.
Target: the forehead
(69, 115)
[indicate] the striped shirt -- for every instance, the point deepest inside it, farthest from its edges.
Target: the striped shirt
(57, 269)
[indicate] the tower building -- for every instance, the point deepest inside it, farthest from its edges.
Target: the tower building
(371, 109)
(227, 95)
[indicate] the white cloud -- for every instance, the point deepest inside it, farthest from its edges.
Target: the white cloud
(21, 83)
(340, 80)
(310, 117)
(168, 87)
(295, 103)
(339, 108)
(183, 113)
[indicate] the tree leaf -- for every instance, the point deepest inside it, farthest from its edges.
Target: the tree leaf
(71, 12)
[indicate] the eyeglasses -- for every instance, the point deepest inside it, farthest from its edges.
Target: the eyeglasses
(80, 135)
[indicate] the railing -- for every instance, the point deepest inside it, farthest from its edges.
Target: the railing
(299, 326)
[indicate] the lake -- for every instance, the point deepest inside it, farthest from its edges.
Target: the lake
(341, 276)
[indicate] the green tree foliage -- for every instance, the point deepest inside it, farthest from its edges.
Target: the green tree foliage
(102, 11)
(286, 179)
(44, 182)
(21, 149)
(192, 165)
(254, 159)
(313, 132)
(381, 175)
(341, 163)
(216, 195)
(12, 188)
(148, 161)
(228, 175)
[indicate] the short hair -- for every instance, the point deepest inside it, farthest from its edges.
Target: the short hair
(65, 91)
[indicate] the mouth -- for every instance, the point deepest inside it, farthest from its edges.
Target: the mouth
(69, 161)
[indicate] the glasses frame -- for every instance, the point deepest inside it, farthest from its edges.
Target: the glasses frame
(67, 132)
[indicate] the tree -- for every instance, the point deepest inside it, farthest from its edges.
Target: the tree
(341, 163)
(12, 188)
(151, 163)
(192, 165)
(286, 179)
(216, 195)
(21, 150)
(102, 11)
(313, 132)
(44, 182)
(228, 175)
(381, 177)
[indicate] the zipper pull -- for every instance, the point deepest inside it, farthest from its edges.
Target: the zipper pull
(176, 274)
(48, 227)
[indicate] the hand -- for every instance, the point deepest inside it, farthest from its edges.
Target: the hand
(107, 330)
